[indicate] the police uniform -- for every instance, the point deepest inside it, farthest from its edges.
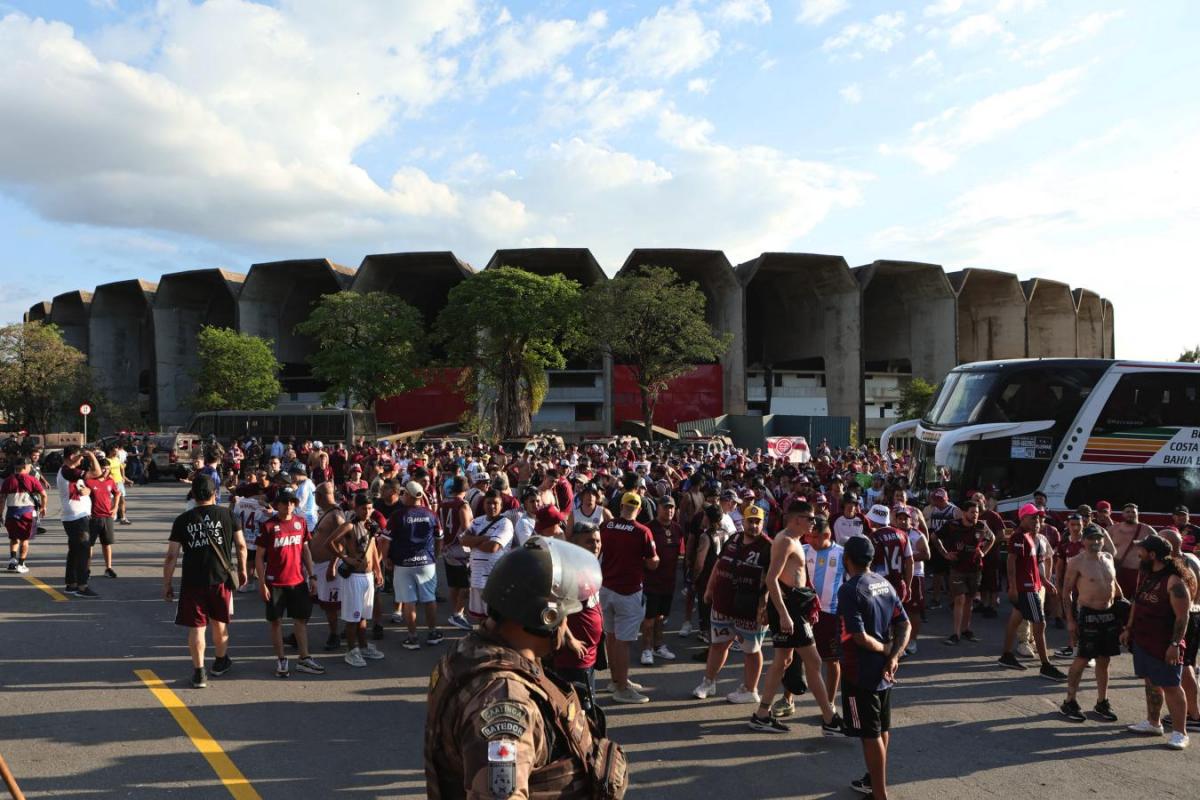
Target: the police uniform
(499, 726)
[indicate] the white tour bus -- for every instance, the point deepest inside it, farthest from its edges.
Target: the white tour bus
(1079, 430)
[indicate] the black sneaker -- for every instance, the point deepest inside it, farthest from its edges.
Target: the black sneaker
(1052, 673)
(862, 785)
(970, 636)
(1104, 710)
(290, 640)
(87, 593)
(411, 643)
(199, 679)
(221, 666)
(108, 573)
(377, 632)
(768, 725)
(334, 642)
(1010, 661)
(434, 637)
(951, 640)
(1071, 710)
(834, 727)
(1066, 652)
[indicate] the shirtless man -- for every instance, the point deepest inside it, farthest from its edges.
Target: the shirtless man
(589, 509)
(1124, 534)
(330, 519)
(1091, 577)
(787, 610)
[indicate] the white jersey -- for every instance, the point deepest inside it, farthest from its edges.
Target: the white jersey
(497, 530)
(915, 537)
(595, 518)
(846, 527)
(523, 529)
(251, 514)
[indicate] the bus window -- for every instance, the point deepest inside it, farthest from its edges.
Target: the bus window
(1154, 490)
(1150, 400)
(329, 425)
(962, 398)
(1036, 394)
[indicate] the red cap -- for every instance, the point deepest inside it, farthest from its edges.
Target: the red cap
(548, 517)
(1030, 510)
(1104, 505)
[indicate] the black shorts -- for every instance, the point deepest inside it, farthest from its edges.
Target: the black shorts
(802, 632)
(100, 528)
(1029, 604)
(1099, 633)
(658, 604)
(294, 600)
(1192, 639)
(866, 714)
(457, 575)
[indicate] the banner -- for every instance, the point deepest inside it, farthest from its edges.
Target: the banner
(793, 449)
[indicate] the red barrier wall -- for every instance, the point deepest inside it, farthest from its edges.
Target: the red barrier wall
(437, 402)
(695, 395)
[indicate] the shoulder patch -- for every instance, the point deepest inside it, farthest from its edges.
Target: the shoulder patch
(504, 718)
(502, 768)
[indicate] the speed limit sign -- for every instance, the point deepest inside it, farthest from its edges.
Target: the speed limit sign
(85, 409)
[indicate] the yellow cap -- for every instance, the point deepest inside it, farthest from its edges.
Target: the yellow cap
(754, 512)
(631, 499)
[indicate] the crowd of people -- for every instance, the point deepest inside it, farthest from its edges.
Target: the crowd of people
(832, 562)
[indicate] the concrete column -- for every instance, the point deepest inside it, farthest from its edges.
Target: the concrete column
(991, 315)
(1109, 337)
(1089, 324)
(38, 312)
(70, 312)
(121, 337)
(1050, 319)
(184, 303)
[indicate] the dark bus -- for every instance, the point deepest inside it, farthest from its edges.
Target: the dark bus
(326, 425)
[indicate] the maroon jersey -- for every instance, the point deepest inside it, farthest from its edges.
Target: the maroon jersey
(667, 541)
(1069, 549)
(892, 546)
(1023, 546)
(104, 492)
(1154, 618)
(738, 578)
(450, 516)
(964, 545)
(282, 544)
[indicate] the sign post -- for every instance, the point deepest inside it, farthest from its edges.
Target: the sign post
(85, 410)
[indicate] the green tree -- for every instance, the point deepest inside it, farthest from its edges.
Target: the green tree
(652, 322)
(236, 371)
(38, 370)
(915, 398)
(368, 346)
(1191, 356)
(509, 326)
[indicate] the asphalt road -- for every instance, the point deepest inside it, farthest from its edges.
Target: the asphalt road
(76, 721)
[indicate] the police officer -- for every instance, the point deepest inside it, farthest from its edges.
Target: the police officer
(499, 725)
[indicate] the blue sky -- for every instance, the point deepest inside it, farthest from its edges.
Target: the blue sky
(1054, 139)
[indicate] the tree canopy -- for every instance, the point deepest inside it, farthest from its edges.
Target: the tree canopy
(915, 398)
(652, 322)
(38, 372)
(1191, 356)
(509, 326)
(236, 371)
(368, 346)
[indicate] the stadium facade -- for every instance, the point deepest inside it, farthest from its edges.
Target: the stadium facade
(810, 334)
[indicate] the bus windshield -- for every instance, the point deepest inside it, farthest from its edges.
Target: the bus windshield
(1024, 394)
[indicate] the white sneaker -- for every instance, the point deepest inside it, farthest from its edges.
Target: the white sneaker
(647, 658)
(705, 689)
(629, 695)
(686, 628)
(372, 652)
(664, 652)
(397, 617)
(22, 568)
(1145, 728)
(911, 649)
(1091, 664)
(1178, 741)
(743, 696)
(736, 647)
(1023, 650)
(354, 658)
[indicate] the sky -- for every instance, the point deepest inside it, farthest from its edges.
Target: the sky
(1050, 139)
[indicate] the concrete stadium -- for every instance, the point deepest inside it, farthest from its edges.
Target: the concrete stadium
(811, 335)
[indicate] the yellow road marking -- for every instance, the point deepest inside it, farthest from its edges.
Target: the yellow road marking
(55, 595)
(229, 774)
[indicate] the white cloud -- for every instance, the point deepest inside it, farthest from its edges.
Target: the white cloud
(699, 85)
(852, 94)
(1079, 31)
(975, 28)
(943, 8)
(757, 12)
(673, 41)
(600, 105)
(531, 47)
(878, 34)
(937, 143)
(1112, 215)
(928, 60)
(816, 12)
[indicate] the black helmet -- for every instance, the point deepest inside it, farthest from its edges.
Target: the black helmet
(540, 584)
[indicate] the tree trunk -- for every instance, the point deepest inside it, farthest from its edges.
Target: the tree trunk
(648, 415)
(512, 408)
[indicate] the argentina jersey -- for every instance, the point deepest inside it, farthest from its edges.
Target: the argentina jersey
(827, 572)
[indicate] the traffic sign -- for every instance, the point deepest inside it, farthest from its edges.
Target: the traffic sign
(85, 409)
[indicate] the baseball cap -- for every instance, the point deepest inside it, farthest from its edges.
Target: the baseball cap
(900, 511)
(1092, 530)
(667, 500)
(754, 512)
(819, 499)
(414, 489)
(1182, 510)
(1153, 543)
(859, 549)
(1084, 510)
(940, 493)
(729, 494)
(356, 468)
(748, 494)
(1104, 505)
(850, 499)
(297, 469)
(631, 499)
(286, 496)
(1128, 506)
(548, 517)
(879, 514)
(1074, 516)
(1030, 510)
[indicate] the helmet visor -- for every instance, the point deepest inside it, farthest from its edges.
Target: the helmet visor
(575, 576)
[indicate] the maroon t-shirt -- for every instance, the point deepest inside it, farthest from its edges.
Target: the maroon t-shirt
(668, 541)
(103, 490)
(1023, 545)
(282, 545)
(588, 627)
(624, 544)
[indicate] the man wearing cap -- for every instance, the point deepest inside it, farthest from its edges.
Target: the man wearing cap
(1125, 536)
(877, 631)
(1189, 534)
(659, 583)
(353, 485)
(548, 522)
(989, 576)
(1102, 516)
(1071, 545)
(893, 552)
(1192, 637)
(282, 560)
(306, 494)
(914, 604)
(1090, 578)
(1024, 585)
(627, 552)
(964, 545)
(588, 508)
(938, 513)
(1156, 634)
(416, 537)
(849, 522)
(455, 518)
